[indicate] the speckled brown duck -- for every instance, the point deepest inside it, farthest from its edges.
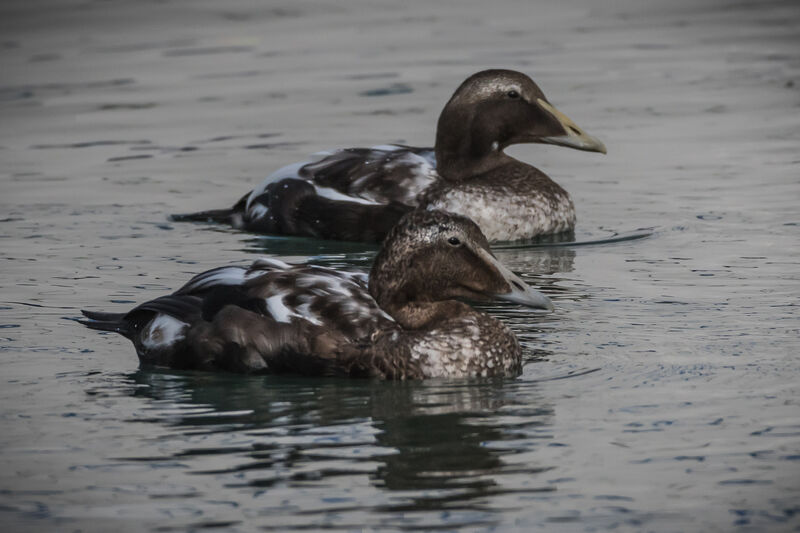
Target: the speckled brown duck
(404, 322)
(358, 194)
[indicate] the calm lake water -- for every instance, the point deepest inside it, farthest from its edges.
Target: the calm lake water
(662, 395)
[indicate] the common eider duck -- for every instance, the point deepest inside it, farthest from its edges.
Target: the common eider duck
(403, 322)
(357, 194)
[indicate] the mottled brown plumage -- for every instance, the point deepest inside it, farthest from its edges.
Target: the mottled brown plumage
(405, 323)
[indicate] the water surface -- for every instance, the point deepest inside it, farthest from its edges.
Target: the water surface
(662, 395)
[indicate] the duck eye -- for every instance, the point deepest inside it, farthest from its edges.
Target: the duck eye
(454, 241)
(512, 94)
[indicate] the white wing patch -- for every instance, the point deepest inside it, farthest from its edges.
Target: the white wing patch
(330, 284)
(281, 313)
(304, 296)
(415, 173)
(257, 211)
(333, 194)
(232, 275)
(275, 307)
(227, 276)
(289, 171)
(320, 296)
(361, 278)
(270, 263)
(420, 174)
(162, 331)
(304, 312)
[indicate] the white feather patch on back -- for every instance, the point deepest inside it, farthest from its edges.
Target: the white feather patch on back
(422, 173)
(362, 278)
(281, 313)
(271, 262)
(333, 194)
(278, 309)
(293, 171)
(257, 211)
(289, 171)
(304, 312)
(330, 283)
(233, 275)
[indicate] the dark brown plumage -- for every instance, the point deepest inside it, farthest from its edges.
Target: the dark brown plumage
(359, 193)
(405, 323)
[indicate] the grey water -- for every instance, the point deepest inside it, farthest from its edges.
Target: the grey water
(662, 395)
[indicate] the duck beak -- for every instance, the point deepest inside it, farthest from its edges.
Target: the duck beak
(574, 137)
(518, 291)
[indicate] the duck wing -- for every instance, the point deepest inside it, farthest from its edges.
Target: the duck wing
(381, 174)
(355, 194)
(377, 175)
(304, 294)
(268, 317)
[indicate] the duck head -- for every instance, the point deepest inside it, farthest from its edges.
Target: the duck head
(494, 109)
(432, 257)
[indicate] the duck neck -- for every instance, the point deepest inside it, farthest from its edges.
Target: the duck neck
(463, 148)
(405, 296)
(424, 315)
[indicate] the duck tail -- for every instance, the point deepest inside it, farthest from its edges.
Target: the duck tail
(222, 216)
(106, 322)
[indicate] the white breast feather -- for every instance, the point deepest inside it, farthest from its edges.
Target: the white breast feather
(447, 353)
(504, 220)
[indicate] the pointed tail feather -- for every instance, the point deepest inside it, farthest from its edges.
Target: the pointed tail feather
(106, 322)
(222, 216)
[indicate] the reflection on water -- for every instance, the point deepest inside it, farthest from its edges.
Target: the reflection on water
(437, 449)
(299, 247)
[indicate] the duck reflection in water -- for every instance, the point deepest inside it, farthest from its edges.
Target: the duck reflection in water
(432, 441)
